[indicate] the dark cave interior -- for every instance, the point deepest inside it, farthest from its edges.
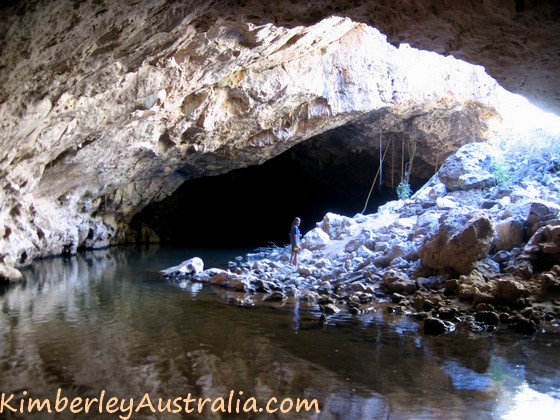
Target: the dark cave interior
(254, 207)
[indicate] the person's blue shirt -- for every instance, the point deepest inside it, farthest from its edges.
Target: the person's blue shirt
(295, 235)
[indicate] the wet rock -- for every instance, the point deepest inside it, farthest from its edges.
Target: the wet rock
(275, 297)
(487, 317)
(329, 309)
(325, 300)
(435, 326)
(398, 282)
(309, 296)
(263, 286)
(365, 297)
(9, 274)
(422, 302)
(447, 313)
(531, 313)
(190, 267)
(356, 309)
(481, 327)
(480, 307)
(523, 325)
(245, 302)
(231, 281)
(398, 298)
(394, 309)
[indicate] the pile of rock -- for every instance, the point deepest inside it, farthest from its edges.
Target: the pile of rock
(462, 249)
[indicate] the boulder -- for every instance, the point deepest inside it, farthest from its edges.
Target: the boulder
(191, 267)
(540, 212)
(315, 239)
(460, 240)
(275, 297)
(473, 287)
(469, 168)
(9, 274)
(521, 269)
(338, 227)
(510, 234)
(508, 291)
(430, 192)
(435, 326)
(398, 282)
(426, 222)
(523, 325)
(550, 281)
(446, 203)
(231, 281)
(451, 287)
(487, 317)
(329, 309)
(404, 250)
(431, 283)
(544, 246)
(426, 302)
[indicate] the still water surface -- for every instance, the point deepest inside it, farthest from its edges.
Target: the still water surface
(105, 321)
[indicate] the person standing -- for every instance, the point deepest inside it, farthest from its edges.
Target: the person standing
(295, 241)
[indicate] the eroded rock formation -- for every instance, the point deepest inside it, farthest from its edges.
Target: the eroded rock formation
(109, 106)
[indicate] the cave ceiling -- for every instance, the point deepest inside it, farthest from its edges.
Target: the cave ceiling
(107, 106)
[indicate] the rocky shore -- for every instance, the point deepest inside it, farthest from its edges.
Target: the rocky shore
(478, 245)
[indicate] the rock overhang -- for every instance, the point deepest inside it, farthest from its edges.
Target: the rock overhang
(125, 117)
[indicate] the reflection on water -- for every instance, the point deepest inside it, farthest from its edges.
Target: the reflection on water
(105, 320)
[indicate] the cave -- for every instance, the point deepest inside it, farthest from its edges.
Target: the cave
(154, 154)
(254, 206)
(109, 109)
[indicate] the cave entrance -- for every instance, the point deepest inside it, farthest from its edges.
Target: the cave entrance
(254, 206)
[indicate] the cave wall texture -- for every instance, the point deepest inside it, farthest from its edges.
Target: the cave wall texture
(108, 106)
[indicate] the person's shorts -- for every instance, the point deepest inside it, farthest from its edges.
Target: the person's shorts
(296, 249)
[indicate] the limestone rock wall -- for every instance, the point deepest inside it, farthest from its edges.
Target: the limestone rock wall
(108, 106)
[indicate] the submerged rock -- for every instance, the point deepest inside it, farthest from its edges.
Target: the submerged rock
(435, 326)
